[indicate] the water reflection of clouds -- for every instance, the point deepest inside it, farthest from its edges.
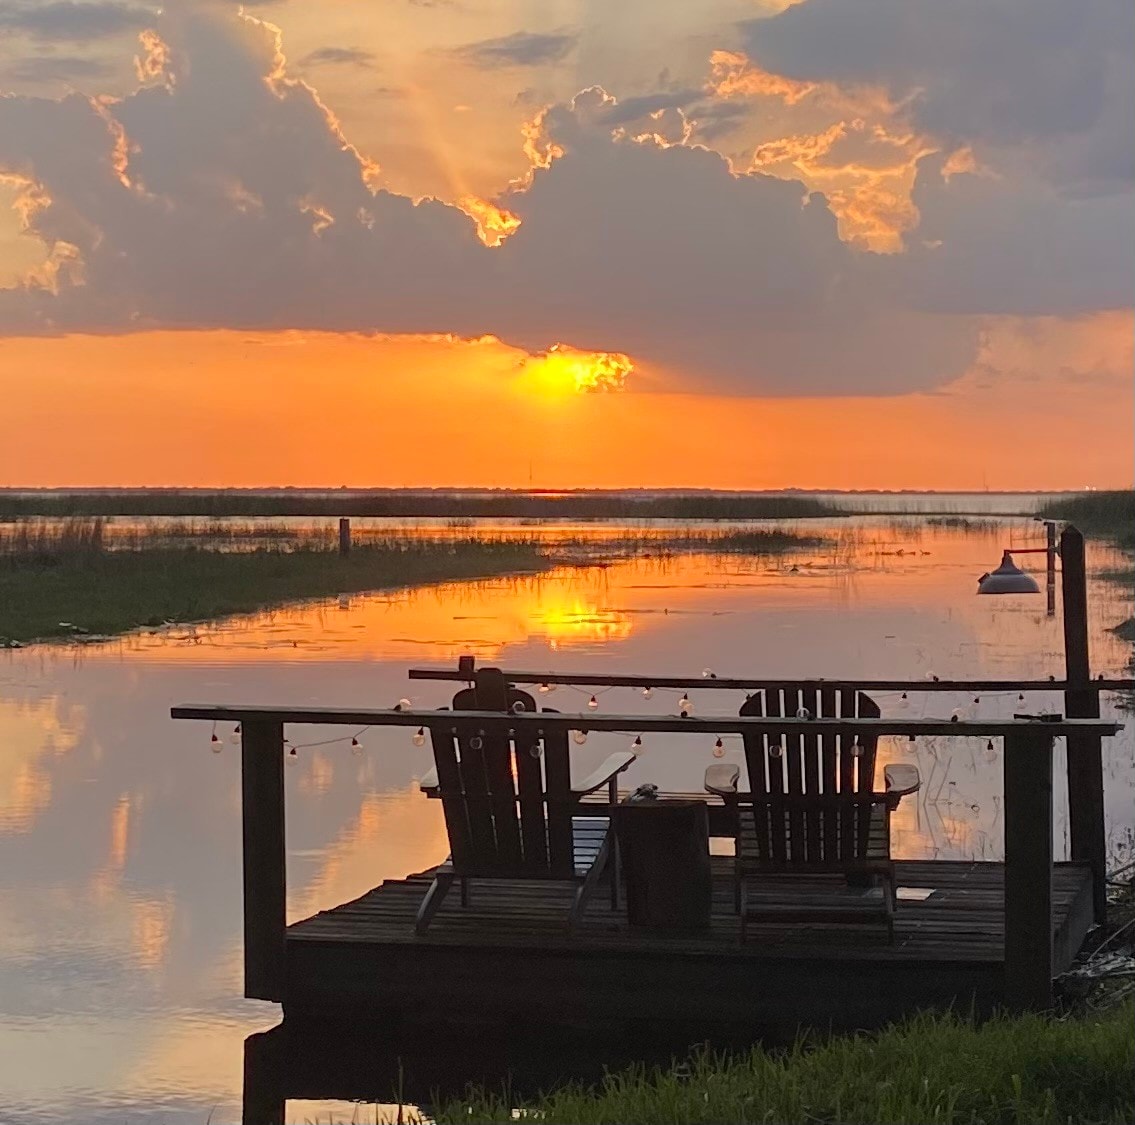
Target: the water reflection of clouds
(119, 831)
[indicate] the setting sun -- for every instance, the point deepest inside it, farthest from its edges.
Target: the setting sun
(564, 371)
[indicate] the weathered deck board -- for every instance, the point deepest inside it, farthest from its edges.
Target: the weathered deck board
(948, 947)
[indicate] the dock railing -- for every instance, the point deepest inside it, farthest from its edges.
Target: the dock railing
(1028, 809)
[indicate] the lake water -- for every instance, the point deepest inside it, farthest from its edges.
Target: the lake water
(120, 892)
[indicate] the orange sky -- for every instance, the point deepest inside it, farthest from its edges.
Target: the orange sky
(933, 224)
(246, 409)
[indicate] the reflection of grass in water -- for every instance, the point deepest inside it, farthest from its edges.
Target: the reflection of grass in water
(933, 1067)
(59, 577)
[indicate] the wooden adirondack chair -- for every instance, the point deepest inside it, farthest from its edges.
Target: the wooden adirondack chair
(812, 810)
(510, 808)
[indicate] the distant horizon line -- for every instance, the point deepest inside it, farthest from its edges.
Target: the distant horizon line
(269, 490)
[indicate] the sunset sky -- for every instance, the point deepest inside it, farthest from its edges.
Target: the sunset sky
(737, 243)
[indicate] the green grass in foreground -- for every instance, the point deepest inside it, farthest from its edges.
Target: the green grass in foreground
(934, 1068)
(112, 591)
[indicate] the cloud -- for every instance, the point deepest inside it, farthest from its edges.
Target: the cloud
(521, 48)
(55, 68)
(223, 193)
(71, 21)
(996, 72)
(338, 56)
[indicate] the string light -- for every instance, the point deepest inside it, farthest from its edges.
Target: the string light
(404, 705)
(234, 738)
(215, 744)
(579, 737)
(356, 747)
(708, 674)
(956, 715)
(685, 706)
(719, 748)
(543, 689)
(803, 713)
(593, 704)
(904, 702)
(291, 757)
(647, 692)
(418, 738)
(636, 746)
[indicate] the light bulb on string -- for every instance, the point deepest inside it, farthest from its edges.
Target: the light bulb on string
(404, 705)
(636, 746)
(356, 747)
(593, 704)
(234, 738)
(648, 693)
(708, 674)
(579, 737)
(956, 715)
(215, 744)
(904, 702)
(418, 738)
(685, 706)
(719, 748)
(543, 689)
(291, 757)
(931, 676)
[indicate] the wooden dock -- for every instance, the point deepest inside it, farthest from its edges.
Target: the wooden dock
(949, 947)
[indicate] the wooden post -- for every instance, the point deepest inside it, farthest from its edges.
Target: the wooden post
(1082, 701)
(344, 536)
(1050, 568)
(265, 878)
(1028, 870)
(263, 1098)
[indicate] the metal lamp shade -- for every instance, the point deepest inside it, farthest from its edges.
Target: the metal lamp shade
(1008, 578)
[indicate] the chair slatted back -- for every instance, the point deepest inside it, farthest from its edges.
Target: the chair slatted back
(811, 793)
(506, 797)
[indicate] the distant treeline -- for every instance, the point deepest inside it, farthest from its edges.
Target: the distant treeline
(501, 505)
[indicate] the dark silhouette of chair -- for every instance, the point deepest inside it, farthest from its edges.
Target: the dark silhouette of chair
(511, 811)
(812, 811)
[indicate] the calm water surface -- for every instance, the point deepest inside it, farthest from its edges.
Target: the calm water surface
(120, 911)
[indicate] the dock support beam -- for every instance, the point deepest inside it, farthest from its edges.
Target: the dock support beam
(1028, 871)
(265, 880)
(344, 536)
(1085, 750)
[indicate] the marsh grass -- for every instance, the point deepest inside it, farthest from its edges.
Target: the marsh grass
(85, 576)
(503, 504)
(1099, 513)
(1031, 1070)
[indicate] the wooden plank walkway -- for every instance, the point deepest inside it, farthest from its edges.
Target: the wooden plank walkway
(508, 953)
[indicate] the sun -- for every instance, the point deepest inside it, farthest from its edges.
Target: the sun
(562, 371)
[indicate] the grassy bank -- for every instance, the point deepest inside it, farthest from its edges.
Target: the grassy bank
(105, 592)
(943, 1069)
(84, 577)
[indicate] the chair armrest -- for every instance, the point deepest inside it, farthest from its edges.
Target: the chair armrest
(428, 783)
(612, 767)
(901, 779)
(722, 779)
